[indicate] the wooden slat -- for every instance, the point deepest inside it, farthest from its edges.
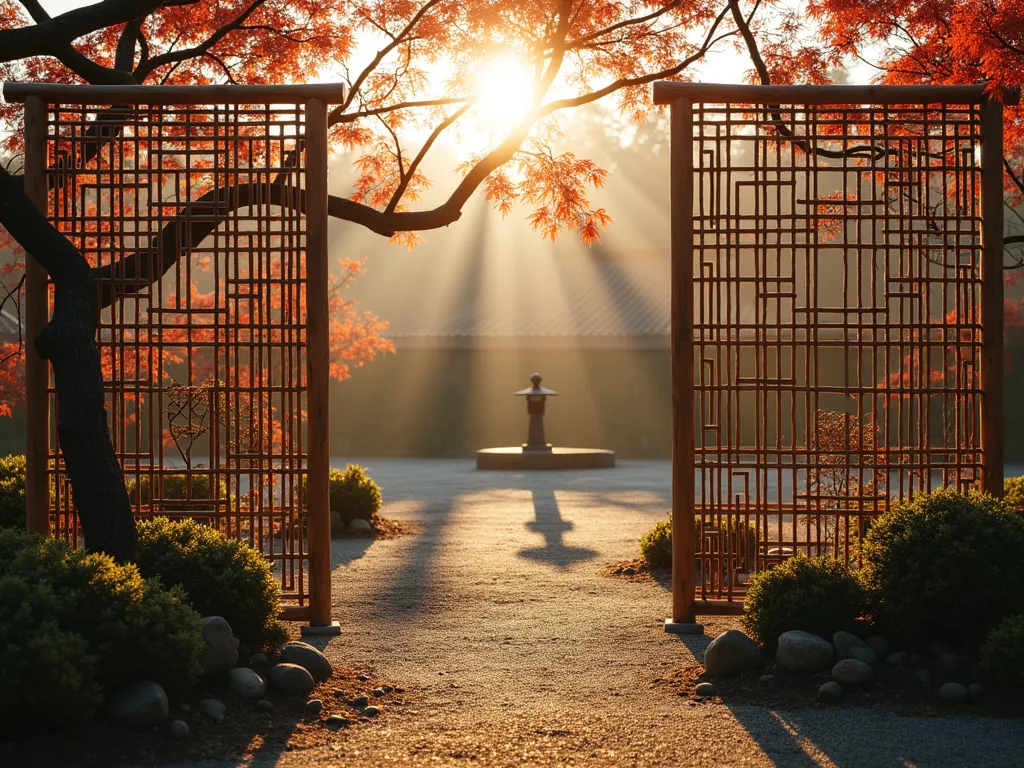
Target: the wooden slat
(317, 360)
(666, 92)
(295, 613)
(684, 568)
(992, 417)
(37, 373)
(329, 93)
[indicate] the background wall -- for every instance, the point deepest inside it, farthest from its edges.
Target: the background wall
(447, 403)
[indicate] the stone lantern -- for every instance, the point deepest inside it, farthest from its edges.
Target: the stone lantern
(537, 452)
(536, 397)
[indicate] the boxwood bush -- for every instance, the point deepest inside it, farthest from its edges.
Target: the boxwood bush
(818, 595)
(946, 567)
(1002, 655)
(1013, 491)
(45, 668)
(656, 544)
(354, 494)
(134, 628)
(175, 486)
(12, 492)
(221, 577)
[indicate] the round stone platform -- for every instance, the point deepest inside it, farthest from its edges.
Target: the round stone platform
(514, 457)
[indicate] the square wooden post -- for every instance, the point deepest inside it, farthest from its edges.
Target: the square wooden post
(37, 311)
(992, 425)
(318, 462)
(684, 568)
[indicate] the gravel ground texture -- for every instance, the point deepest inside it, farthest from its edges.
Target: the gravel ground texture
(516, 649)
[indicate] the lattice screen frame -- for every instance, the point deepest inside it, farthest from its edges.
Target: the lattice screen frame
(301, 549)
(761, 355)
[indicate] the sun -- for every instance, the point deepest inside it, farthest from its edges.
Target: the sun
(504, 93)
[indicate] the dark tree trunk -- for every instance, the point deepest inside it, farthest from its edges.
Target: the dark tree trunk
(69, 343)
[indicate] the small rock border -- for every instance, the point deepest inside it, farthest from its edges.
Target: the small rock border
(380, 528)
(349, 698)
(636, 570)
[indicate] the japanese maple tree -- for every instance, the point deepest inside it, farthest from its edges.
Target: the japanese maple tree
(411, 68)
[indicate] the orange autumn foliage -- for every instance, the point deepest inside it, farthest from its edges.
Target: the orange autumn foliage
(410, 69)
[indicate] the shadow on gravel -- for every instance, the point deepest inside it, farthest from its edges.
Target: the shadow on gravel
(345, 551)
(548, 523)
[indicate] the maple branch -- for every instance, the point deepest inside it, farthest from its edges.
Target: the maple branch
(354, 88)
(176, 57)
(351, 117)
(411, 171)
(626, 23)
(625, 82)
(50, 35)
(81, 65)
(124, 56)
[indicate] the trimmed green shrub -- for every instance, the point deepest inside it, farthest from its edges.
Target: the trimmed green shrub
(135, 628)
(354, 494)
(818, 595)
(1013, 491)
(46, 669)
(221, 577)
(12, 492)
(175, 487)
(656, 544)
(945, 566)
(1002, 655)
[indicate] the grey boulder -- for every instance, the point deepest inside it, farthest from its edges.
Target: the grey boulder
(291, 679)
(897, 659)
(244, 682)
(212, 709)
(801, 652)
(953, 693)
(731, 653)
(220, 646)
(830, 691)
(851, 672)
(845, 642)
(308, 657)
(177, 729)
(706, 689)
(879, 645)
(139, 705)
(865, 654)
(359, 527)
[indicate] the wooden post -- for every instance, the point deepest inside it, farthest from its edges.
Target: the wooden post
(37, 311)
(684, 568)
(992, 296)
(318, 463)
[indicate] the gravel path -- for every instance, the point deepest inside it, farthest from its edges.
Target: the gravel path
(515, 650)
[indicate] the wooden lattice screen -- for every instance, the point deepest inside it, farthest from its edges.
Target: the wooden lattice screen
(205, 210)
(837, 317)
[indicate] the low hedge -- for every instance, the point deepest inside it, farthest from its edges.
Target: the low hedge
(221, 577)
(45, 667)
(946, 566)
(12, 492)
(818, 595)
(656, 544)
(1002, 654)
(175, 486)
(354, 494)
(132, 628)
(1013, 491)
